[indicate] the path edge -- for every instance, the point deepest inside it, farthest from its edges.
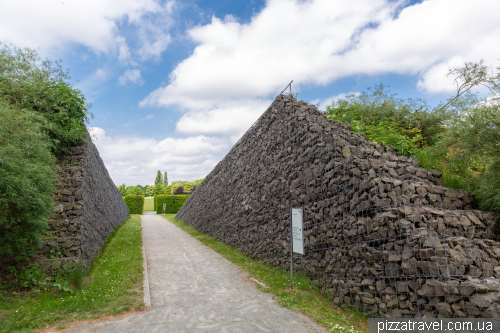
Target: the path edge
(147, 295)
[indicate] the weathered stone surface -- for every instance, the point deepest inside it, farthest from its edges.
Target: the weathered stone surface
(380, 233)
(88, 207)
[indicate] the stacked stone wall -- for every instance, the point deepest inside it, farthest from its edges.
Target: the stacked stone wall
(88, 208)
(380, 233)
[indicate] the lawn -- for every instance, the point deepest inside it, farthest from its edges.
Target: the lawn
(112, 285)
(304, 298)
(149, 203)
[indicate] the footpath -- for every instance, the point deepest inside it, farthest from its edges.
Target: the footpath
(194, 289)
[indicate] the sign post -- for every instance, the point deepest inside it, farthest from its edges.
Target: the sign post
(296, 237)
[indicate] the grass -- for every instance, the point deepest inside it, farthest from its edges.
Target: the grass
(112, 285)
(149, 204)
(304, 297)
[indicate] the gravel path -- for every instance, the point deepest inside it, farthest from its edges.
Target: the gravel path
(194, 289)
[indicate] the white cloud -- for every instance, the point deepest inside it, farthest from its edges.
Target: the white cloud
(135, 160)
(319, 41)
(131, 75)
(149, 116)
(323, 103)
(101, 74)
(92, 23)
(230, 118)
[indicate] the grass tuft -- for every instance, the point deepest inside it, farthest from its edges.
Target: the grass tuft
(304, 297)
(111, 286)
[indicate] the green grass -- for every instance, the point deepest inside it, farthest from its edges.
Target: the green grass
(112, 285)
(304, 297)
(149, 204)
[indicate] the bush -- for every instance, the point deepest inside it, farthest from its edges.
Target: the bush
(28, 82)
(135, 203)
(27, 181)
(173, 203)
(178, 191)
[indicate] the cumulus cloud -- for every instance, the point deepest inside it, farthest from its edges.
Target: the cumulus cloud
(135, 160)
(131, 75)
(319, 41)
(230, 118)
(91, 23)
(323, 103)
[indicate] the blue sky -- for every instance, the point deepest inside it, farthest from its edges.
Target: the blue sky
(174, 84)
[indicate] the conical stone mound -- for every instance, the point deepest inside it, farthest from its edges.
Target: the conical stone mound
(381, 234)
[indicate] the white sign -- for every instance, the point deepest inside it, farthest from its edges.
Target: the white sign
(297, 231)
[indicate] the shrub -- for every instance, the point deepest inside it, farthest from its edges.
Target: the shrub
(27, 181)
(135, 203)
(28, 82)
(173, 203)
(179, 190)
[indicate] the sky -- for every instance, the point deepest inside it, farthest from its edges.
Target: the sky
(175, 84)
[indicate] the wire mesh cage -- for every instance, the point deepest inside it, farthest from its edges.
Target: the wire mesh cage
(380, 233)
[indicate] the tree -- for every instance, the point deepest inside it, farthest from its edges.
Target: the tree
(123, 189)
(168, 190)
(138, 190)
(158, 179)
(188, 187)
(149, 190)
(28, 82)
(179, 190)
(40, 114)
(165, 180)
(27, 181)
(158, 189)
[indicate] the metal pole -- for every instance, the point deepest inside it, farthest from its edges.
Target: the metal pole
(291, 251)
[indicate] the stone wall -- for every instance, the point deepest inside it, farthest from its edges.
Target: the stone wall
(381, 234)
(88, 208)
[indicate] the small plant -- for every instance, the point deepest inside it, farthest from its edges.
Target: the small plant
(62, 287)
(32, 277)
(55, 252)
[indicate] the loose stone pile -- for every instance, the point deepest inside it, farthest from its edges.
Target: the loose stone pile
(88, 208)
(380, 233)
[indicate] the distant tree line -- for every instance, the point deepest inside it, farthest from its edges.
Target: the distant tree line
(160, 186)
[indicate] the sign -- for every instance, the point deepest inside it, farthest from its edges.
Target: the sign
(297, 231)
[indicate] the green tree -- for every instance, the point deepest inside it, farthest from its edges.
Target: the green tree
(158, 189)
(165, 180)
(26, 181)
(168, 190)
(158, 179)
(123, 189)
(188, 187)
(28, 82)
(138, 190)
(149, 190)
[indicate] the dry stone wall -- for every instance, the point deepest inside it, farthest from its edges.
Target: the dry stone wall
(88, 208)
(381, 234)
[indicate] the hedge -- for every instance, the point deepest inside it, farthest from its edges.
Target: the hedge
(135, 203)
(173, 203)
